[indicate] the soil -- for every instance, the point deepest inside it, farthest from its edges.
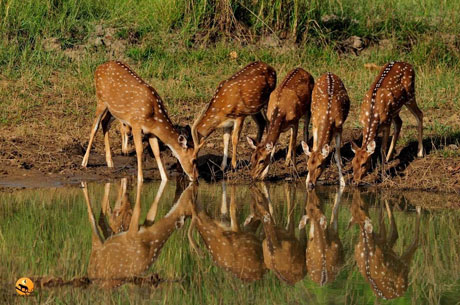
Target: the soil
(49, 161)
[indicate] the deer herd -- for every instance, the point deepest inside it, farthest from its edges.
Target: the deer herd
(252, 91)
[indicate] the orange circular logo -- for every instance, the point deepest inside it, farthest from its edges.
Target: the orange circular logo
(24, 286)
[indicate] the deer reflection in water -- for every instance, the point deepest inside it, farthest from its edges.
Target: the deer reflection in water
(324, 253)
(284, 254)
(129, 253)
(383, 269)
(232, 249)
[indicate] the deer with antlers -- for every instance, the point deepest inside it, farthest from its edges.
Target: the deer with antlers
(324, 251)
(129, 253)
(393, 88)
(288, 104)
(232, 249)
(243, 94)
(385, 271)
(284, 254)
(329, 109)
(121, 93)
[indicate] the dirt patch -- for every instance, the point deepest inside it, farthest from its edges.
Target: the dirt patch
(49, 160)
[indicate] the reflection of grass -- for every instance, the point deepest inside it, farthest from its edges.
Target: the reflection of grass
(47, 233)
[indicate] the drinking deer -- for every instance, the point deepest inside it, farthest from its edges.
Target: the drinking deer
(243, 94)
(128, 254)
(393, 88)
(324, 252)
(236, 251)
(288, 103)
(329, 109)
(284, 254)
(123, 94)
(383, 269)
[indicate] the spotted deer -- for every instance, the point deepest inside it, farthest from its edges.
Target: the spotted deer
(324, 252)
(329, 109)
(284, 254)
(243, 94)
(289, 102)
(232, 249)
(393, 88)
(129, 253)
(121, 93)
(385, 271)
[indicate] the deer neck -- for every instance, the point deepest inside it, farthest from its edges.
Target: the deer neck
(371, 123)
(368, 251)
(275, 128)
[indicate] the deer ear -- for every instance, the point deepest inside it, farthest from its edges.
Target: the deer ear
(182, 141)
(325, 150)
(269, 147)
(306, 149)
(354, 147)
(371, 147)
(251, 142)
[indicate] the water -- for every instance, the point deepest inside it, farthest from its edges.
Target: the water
(245, 245)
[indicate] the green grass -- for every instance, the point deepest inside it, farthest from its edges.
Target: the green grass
(47, 233)
(49, 51)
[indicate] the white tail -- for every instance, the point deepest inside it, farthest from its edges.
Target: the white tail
(123, 94)
(393, 88)
(288, 104)
(243, 94)
(329, 110)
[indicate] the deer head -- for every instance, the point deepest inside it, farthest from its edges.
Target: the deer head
(361, 161)
(315, 163)
(260, 158)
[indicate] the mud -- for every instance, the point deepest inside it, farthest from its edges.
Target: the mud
(46, 161)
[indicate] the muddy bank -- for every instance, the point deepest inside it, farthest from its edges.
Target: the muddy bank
(45, 161)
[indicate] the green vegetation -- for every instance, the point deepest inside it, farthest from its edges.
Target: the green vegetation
(47, 233)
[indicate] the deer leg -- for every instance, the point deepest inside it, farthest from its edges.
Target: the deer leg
(137, 137)
(338, 157)
(235, 137)
(397, 123)
(124, 130)
(233, 219)
(134, 224)
(335, 210)
(306, 124)
(96, 236)
(393, 230)
(291, 155)
(261, 122)
(224, 205)
(386, 135)
(105, 129)
(152, 213)
(101, 110)
(156, 152)
(412, 105)
(226, 136)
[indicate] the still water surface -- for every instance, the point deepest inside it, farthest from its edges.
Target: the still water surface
(227, 244)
